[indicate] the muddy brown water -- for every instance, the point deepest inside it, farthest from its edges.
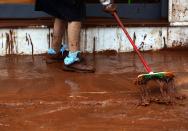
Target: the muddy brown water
(39, 97)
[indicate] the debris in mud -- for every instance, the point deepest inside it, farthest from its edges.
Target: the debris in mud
(159, 91)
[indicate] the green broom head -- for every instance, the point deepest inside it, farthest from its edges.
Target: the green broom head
(163, 76)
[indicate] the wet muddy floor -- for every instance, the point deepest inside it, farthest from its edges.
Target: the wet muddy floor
(39, 97)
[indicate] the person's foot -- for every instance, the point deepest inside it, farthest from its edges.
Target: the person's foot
(51, 51)
(53, 56)
(75, 63)
(72, 58)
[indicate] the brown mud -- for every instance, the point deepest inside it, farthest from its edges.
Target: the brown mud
(39, 97)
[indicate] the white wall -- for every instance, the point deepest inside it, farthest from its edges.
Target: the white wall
(17, 41)
(20, 41)
(178, 12)
(146, 38)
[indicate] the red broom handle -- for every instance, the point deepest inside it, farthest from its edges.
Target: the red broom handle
(148, 69)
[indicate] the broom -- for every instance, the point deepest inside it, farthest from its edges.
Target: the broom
(144, 78)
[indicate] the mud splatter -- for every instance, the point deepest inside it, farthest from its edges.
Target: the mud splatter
(145, 36)
(134, 37)
(30, 42)
(10, 42)
(2, 40)
(179, 44)
(165, 45)
(160, 33)
(85, 40)
(141, 46)
(49, 38)
(94, 53)
(15, 42)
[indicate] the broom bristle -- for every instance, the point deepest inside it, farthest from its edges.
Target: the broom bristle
(155, 76)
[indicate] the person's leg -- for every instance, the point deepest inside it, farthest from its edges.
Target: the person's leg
(74, 29)
(58, 32)
(73, 60)
(57, 52)
(74, 35)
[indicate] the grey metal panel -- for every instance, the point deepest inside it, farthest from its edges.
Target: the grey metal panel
(19, 11)
(131, 11)
(164, 8)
